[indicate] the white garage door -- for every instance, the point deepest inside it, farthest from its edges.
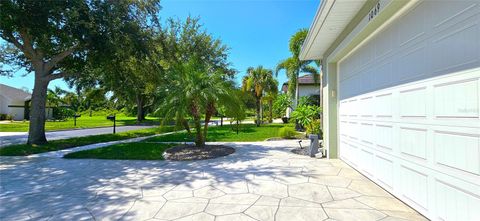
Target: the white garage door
(409, 109)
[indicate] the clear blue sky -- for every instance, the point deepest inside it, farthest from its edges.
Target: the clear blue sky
(257, 31)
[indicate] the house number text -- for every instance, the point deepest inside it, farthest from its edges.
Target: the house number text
(374, 12)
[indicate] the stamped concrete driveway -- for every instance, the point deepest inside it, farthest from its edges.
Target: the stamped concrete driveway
(261, 181)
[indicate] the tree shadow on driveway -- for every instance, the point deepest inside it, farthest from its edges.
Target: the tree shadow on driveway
(33, 188)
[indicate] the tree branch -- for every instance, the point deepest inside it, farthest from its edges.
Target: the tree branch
(52, 77)
(59, 57)
(27, 45)
(10, 38)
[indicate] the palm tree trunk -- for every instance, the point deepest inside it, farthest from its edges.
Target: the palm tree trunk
(297, 94)
(208, 116)
(270, 104)
(185, 125)
(199, 142)
(258, 111)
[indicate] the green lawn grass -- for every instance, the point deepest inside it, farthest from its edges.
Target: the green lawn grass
(83, 122)
(247, 132)
(149, 150)
(126, 151)
(25, 149)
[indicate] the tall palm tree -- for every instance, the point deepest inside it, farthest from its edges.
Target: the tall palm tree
(268, 98)
(293, 66)
(259, 81)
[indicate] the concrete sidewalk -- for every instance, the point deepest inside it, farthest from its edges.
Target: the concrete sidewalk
(9, 138)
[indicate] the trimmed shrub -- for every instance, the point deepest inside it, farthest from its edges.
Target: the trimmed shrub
(314, 127)
(286, 132)
(6, 117)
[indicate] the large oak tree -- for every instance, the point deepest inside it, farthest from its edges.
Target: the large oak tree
(55, 40)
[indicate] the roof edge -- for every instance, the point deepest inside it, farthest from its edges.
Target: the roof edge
(308, 41)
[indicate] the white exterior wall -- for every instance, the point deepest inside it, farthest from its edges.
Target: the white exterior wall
(304, 90)
(308, 90)
(3, 104)
(17, 112)
(409, 109)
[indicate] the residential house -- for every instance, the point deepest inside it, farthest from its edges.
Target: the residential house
(16, 102)
(401, 88)
(308, 86)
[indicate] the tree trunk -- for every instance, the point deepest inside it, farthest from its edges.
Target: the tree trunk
(237, 126)
(297, 94)
(185, 125)
(258, 112)
(261, 111)
(36, 131)
(208, 115)
(205, 128)
(194, 111)
(199, 142)
(270, 104)
(140, 110)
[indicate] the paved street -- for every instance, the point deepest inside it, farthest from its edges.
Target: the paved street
(260, 181)
(8, 138)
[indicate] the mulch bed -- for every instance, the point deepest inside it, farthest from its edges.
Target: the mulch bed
(280, 138)
(189, 152)
(300, 151)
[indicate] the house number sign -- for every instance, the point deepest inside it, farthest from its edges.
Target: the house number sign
(374, 12)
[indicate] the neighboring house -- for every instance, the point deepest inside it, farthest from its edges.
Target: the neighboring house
(16, 103)
(402, 97)
(306, 87)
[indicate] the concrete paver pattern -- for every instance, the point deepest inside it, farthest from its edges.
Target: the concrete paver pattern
(260, 181)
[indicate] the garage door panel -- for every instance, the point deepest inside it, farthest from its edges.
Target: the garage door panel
(384, 169)
(413, 143)
(367, 131)
(463, 51)
(410, 115)
(384, 136)
(465, 203)
(366, 162)
(384, 46)
(413, 102)
(457, 99)
(412, 26)
(383, 72)
(457, 150)
(382, 105)
(404, 59)
(441, 17)
(414, 185)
